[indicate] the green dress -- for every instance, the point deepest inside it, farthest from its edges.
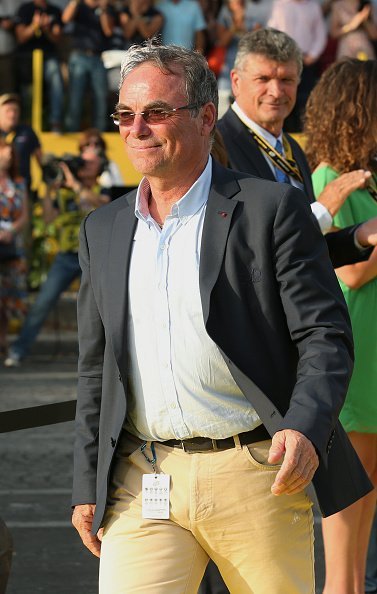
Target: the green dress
(359, 412)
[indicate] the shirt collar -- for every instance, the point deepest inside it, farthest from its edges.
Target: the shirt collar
(186, 207)
(271, 139)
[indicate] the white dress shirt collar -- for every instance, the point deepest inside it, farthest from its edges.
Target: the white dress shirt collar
(271, 139)
(184, 208)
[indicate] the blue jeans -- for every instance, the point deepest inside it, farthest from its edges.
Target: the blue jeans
(86, 71)
(371, 572)
(55, 89)
(63, 271)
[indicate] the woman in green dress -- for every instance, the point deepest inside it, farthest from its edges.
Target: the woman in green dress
(341, 129)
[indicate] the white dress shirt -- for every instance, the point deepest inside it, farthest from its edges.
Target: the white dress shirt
(179, 384)
(320, 211)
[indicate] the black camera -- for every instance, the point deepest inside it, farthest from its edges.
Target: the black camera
(52, 172)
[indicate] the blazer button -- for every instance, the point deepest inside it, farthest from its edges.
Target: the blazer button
(113, 442)
(119, 377)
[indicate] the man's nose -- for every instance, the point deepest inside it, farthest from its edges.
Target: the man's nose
(139, 127)
(276, 87)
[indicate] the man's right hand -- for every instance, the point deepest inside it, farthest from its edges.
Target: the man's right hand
(82, 519)
(337, 191)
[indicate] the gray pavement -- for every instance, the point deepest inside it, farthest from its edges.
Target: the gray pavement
(36, 476)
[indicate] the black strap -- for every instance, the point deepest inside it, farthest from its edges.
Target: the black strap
(37, 416)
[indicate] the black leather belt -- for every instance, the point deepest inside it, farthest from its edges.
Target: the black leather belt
(206, 444)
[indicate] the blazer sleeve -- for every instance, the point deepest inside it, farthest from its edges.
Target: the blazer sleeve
(342, 248)
(90, 365)
(317, 319)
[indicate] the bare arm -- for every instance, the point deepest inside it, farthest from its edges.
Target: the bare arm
(70, 10)
(49, 211)
(85, 193)
(337, 29)
(357, 275)
(336, 192)
(148, 29)
(135, 22)
(366, 234)
(25, 32)
(106, 21)
(52, 32)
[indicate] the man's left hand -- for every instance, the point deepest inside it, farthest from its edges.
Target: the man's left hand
(299, 465)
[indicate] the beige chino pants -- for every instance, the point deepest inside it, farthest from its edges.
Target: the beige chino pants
(221, 507)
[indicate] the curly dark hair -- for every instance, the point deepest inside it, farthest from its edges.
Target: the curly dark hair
(341, 117)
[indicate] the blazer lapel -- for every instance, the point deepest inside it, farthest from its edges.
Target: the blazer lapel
(216, 227)
(252, 159)
(118, 269)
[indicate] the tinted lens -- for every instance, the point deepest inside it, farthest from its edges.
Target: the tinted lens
(154, 116)
(125, 118)
(151, 116)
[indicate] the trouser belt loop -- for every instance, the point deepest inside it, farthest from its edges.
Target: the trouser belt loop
(237, 442)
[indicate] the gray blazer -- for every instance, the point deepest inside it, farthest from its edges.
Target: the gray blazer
(272, 304)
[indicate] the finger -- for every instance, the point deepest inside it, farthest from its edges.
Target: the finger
(277, 449)
(295, 468)
(83, 526)
(303, 480)
(92, 543)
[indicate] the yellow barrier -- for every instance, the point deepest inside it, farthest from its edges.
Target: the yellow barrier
(68, 143)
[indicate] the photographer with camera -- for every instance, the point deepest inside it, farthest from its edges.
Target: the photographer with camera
(72, 191)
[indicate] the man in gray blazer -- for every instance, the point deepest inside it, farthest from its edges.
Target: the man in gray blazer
(209, 320)
(265, 79)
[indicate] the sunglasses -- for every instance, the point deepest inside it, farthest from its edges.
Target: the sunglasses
(154, 115)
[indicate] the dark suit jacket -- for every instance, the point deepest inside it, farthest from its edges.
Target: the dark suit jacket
(272, 304)
(245, 155)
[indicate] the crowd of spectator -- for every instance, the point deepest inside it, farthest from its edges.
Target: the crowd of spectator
(83, 41)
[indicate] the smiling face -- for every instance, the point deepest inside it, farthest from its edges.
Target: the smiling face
(266, 90)
(178, 145)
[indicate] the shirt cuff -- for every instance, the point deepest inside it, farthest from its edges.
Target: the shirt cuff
(322, 215)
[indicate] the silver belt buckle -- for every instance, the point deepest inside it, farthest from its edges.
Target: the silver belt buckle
(198, 450)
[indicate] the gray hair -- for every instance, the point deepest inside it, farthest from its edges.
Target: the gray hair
(200, 82)
(270, 43)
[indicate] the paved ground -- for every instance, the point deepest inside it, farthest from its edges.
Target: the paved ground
(36, 473)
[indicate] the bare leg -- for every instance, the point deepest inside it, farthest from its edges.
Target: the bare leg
(346, 534)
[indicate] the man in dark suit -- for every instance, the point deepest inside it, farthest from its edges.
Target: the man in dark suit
(209, 319)
(265, 78)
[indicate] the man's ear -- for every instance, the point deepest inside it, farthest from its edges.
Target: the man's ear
(235, 81)
(209, 117)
